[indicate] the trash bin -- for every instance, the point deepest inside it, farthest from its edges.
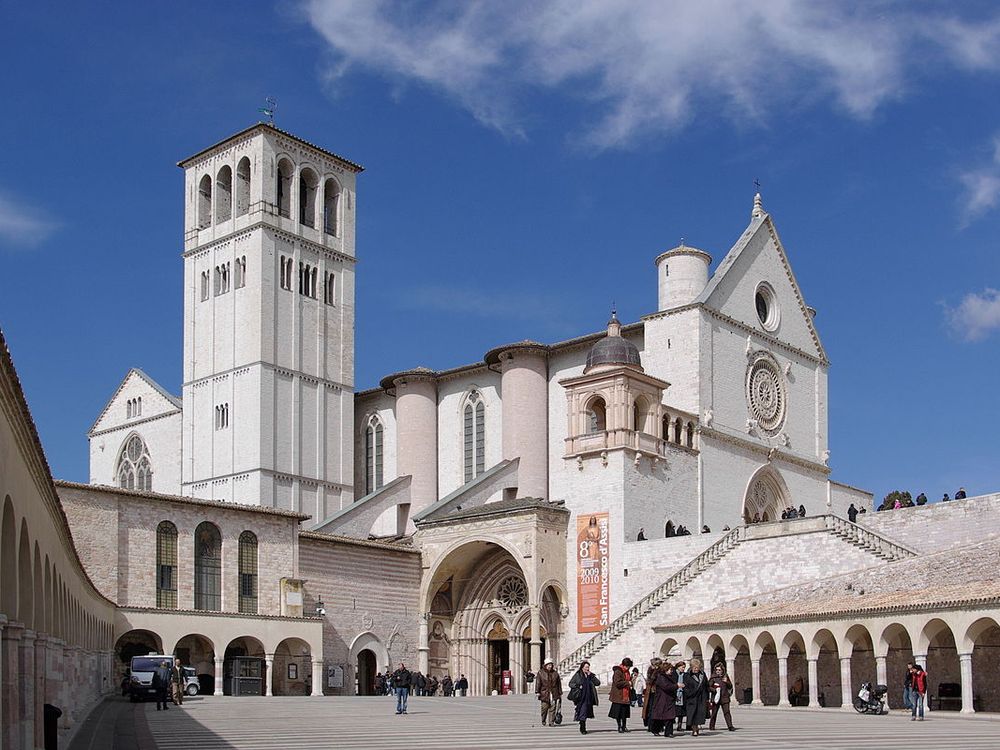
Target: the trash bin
(747, 696)
(50, 723)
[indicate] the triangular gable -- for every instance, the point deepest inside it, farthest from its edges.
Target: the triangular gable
(758, 255)
(156, 400)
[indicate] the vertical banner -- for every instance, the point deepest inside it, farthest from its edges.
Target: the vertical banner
(593, 597)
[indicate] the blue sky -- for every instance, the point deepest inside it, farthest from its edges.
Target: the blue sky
(525, 164)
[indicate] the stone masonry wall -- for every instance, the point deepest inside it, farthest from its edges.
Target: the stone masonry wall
(939, 525)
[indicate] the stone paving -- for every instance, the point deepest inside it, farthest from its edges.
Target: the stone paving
(452, 724)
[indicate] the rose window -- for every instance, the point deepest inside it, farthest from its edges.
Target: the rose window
(512, 594)
(766, 395)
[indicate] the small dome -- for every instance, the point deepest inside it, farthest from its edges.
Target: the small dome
(613, 349)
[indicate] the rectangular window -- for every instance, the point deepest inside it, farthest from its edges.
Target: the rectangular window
(378, 456)
(204, 285)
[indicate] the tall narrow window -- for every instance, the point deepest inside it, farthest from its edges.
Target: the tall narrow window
(308, 182)
(284, 188)
(248, 573)
(205, 202)
(243, 186)
(597, 416)
(135, 469)
(224, 194)
(374, 435)
(166, 566)
(330, 289)
(474, 429)
(331, 205)
(313, 276)
(207, 567)
(204, 285)
(240, 276)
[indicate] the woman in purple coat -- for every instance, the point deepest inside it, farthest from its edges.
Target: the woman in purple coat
(664, 708)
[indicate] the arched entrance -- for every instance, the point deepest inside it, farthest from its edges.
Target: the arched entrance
(137, 643)
(366, 672)
(197, 651)
(765, 496)
(498, 661)
(292, 668)
(984, 637)
(243, 669)
(898, 648)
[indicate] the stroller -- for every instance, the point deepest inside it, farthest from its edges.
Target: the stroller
(871, 700)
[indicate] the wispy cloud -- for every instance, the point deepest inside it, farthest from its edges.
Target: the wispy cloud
(976, 316)
(511, 305)
(981, 187)
(21, 225)
(650, 66)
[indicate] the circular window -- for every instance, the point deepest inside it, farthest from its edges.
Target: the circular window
(767, 306)
(512, 594)
(766, 398)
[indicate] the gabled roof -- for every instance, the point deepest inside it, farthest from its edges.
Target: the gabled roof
(761, 221)
(174, 400)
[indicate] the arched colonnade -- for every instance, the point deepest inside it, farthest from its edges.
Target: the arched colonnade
(824, 663)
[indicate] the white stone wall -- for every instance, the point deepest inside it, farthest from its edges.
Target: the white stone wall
(651, 562)
(938, 526)
(672, 352)
(162, 435)
(452, 394)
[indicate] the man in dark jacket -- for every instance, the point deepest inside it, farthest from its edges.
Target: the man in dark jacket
(548, 687)
(401, 680)
(462, 686)
(852, 513)
(161, 684)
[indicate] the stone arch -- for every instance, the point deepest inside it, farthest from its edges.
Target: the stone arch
(859, 645)
(715, 652)
(824, 649)
(137, 643)
(25, 585)
(447, 558)
(896, 644)
(39, 593)
(765, 495)
(50, 619)
(197, 650)
(982, 640)
(373, 643)
(595, 412)
(8, 561)
(692, 649)
(765, 648)
(670, 650)
(741, 673)
(244, 646)
(292, 668)
(937, 640)
(793, 650)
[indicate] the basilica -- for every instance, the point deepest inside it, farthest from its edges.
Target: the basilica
(617, 493)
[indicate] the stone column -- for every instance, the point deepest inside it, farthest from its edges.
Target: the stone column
(26, 688)
(731, 671)
(846, 690)
(535, 644)
(755, 682)
(423, 647)
(218, 676)
(783, 681)
(317, 678)
(41, 652)
(813, 665)
(921, 659)
(881, 674)
(268, 675)
(524, 388)
(515, 647)
(965, 665)
(484, 672)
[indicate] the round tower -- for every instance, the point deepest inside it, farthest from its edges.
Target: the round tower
(681, 274)
(416, 433)
(524, 391)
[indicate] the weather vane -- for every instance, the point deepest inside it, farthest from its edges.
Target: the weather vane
(756, 184)
(270, 105)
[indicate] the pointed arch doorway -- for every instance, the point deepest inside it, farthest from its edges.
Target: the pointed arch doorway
(766, 495)
(366, 672)
(498, 640)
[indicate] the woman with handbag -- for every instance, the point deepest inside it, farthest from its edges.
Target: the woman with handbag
(664, 708)
(621, 694)
(695, 697)
(583, 694)
(681, 668)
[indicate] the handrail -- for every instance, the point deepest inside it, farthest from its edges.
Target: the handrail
(655, 597)
(867, 537)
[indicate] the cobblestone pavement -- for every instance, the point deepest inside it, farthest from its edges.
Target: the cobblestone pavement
(482, 723)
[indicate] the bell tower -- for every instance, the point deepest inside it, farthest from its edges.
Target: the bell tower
(269, 323)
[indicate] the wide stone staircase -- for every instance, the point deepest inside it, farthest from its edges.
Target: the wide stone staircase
(874, 544)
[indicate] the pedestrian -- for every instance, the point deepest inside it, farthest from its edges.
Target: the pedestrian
(663, 708)
(863, 510)
(695, 697)
(446, 686)
(756, 518)
(705, 529)
(946, 499)
(852, 513)
(638, 687)
(681, 668)
(650, 691)
(960, 495)
(177, 681)
(419, 683)
(402, 680)
(620, 694)
(802, 511)
(161, 684)
(548, 688)
(641, 536)
(583, 694)
(432, 685)
(908, 687)
(918, 691)
(784, 515)
(720, 691)
(462, 686)
(921, 499)
(379, 684)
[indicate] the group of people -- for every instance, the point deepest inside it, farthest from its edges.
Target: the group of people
(896, 500)
(673, 697)
(403, 683)
(168, 680)
(853, 513)
(791, 513)
(915, 691)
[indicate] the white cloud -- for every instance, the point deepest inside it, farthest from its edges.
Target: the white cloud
(982, 187)
(976, 316)
(649, 66)
(22, 225)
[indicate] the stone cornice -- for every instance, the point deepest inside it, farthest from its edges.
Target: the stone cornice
(319, 536)
(134, 423)
(778, 455)
(271, 366)
(214, 613)
(250, 228)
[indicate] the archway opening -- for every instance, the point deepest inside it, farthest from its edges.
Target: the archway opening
(366, 672)
(797, 669)
(197, 652)
(766, 495)
(137, 643)
(828, 688)
(863, 667)
(243, 668)
(899, 654)
(292, 668)
(498, 656)
(985, 637)
(769, 682)
(742, 672)
(942, 664)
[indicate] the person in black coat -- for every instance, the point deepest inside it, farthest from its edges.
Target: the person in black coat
(664, 708)
(695, 697)
(720, 692)
(583, 693)
(161, 684)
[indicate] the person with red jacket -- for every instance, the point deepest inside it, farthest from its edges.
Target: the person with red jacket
(918, 692)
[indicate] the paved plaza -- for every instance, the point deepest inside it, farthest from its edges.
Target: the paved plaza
(451, 724)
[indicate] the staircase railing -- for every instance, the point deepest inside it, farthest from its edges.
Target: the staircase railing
(654, 598)
(868, 539)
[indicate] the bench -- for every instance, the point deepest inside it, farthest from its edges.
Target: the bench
(949, 697)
